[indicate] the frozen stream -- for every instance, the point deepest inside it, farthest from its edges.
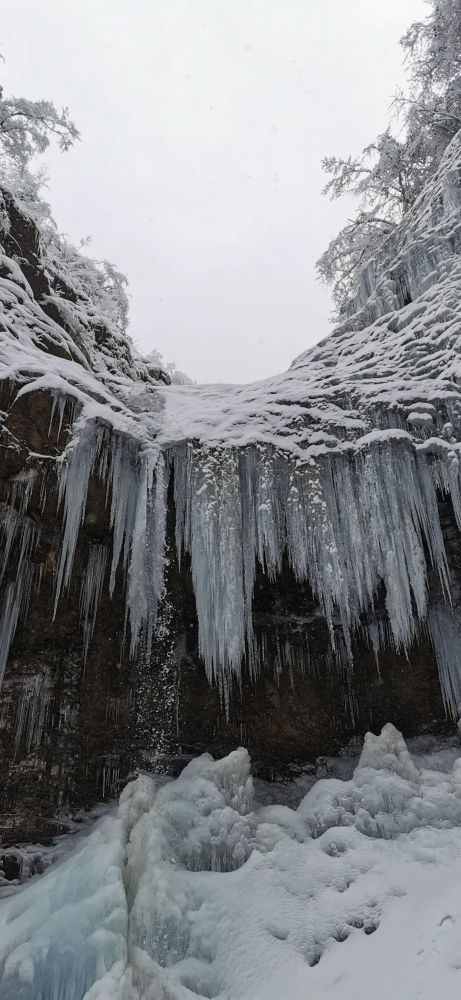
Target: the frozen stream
(191, 888)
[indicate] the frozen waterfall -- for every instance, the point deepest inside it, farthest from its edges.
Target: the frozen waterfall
(348, 522)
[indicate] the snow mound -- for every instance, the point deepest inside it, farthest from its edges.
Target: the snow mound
(189, 889)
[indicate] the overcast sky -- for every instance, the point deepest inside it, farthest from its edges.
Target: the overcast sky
(203, 126)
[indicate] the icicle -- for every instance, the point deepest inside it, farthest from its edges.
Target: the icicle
(109, 775)
(32, 711)
(125, 476)
(209, 526)
(78, 463)
(445, 630)
(59, 402)
(19, 537)
(91, 591)
(112, 457)
(15, 527)
(147, 560)
(113, 709)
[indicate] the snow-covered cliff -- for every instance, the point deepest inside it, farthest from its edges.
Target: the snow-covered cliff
(337, 462)
(336, 469)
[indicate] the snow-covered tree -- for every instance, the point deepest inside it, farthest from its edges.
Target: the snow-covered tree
(176, 375)
(27, 127)
(99, 281)
(433, 49)
(390, 172)
(383, 176)
(26, 130)
(432, 107)
(340, 264)
(385, 180)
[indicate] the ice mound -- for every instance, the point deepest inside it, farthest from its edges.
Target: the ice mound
(66, 929)
(387, 795)
(191, 889)
(388, 752)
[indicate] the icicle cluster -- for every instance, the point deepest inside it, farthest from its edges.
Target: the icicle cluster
(444, 626)
(346, 524)
(92, 587)
(18, 541)
(350, 523)
(32, 711)
(136, 488)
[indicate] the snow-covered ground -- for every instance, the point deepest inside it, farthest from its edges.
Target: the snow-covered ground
(193, 888)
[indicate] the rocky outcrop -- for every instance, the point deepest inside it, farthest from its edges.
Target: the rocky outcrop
(295, 542)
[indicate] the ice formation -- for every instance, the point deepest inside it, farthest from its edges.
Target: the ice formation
(32, 709)
(347, 521)
(194, 888)
(136, 489)
(18, 541)
(91, 591)
(337, 465)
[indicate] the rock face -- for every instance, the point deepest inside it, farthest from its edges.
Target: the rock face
(295, 542)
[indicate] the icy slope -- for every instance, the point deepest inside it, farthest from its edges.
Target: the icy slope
(338, 463)
(192, 890)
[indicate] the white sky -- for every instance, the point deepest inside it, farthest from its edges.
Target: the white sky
(203, 125)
